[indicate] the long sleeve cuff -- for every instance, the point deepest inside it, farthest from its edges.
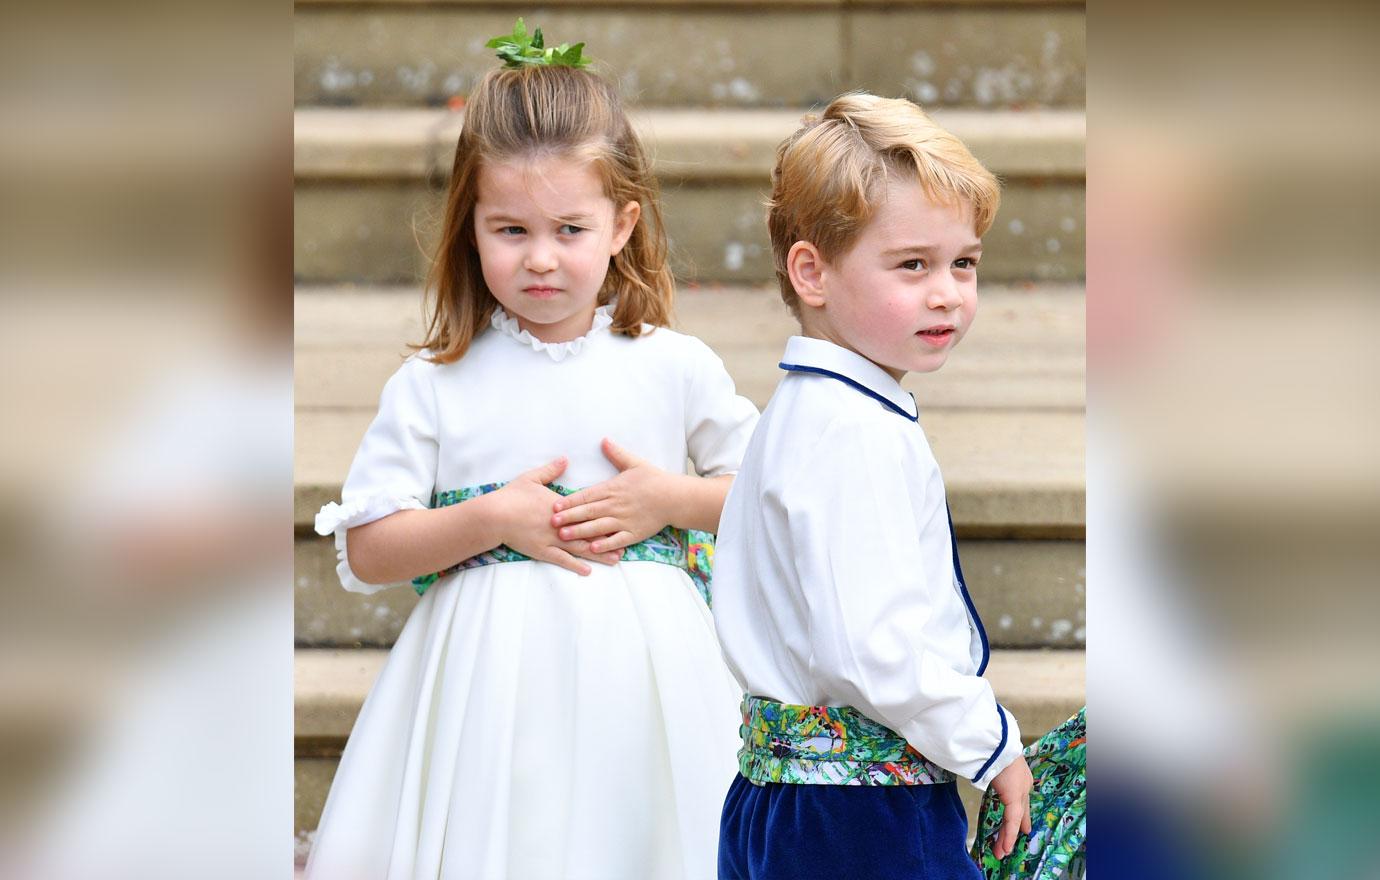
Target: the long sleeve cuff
(1007, 750)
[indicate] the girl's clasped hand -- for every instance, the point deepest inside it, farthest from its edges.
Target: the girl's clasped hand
(595, 523)
(522, 510)
(622, 510)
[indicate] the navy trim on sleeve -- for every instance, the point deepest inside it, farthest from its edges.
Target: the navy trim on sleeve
(797, 368)
(967, 599)
(1001, 745)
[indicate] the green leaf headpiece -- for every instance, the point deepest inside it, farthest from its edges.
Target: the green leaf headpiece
(520, 50)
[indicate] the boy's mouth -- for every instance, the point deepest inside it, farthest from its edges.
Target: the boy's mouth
(937, 335)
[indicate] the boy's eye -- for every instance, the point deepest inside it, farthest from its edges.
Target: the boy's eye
(966, 263)
(570, 229)
(913, 265)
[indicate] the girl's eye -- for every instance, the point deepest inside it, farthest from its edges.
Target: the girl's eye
(511, 230)
(913, 265)
(570, 229)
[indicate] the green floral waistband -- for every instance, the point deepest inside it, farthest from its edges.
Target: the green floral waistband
(687, 549)
(827, 745)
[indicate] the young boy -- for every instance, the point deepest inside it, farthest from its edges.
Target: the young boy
(838, 595)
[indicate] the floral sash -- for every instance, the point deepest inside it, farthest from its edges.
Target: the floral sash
(690, 550)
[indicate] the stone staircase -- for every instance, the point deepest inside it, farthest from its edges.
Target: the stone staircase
(730, 53)
(370, 184)
(714, 88)
(1004, 417)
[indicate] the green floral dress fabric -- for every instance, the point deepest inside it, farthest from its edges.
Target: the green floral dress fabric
(826, 745)
(700, 563)
(690, 550)
(1056, 848)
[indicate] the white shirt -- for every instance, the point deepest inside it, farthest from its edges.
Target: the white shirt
(513, 403)
(834, 574)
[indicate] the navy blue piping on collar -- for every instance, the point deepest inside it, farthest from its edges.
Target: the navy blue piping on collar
(1001, 745)
(967, 599)
(882, 399)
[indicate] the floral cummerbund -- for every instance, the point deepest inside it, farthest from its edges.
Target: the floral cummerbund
(827, 745)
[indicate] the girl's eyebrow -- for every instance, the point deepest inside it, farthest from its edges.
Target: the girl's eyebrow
(563, 218)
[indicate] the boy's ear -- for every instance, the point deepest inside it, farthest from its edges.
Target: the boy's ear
(624, 220)
(805, 267)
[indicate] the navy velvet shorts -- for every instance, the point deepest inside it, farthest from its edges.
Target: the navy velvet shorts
(783, 831)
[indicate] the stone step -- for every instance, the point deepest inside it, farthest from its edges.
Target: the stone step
(686, 144)
(1013, 463)
(370, 186)
(1041, 688)
(730, 54)
(1030, 594)
(1026, 350)
(1009, 474)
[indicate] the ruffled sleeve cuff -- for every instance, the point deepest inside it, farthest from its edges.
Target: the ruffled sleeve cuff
(340, 518)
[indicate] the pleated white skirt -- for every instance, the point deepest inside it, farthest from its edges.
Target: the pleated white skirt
(531, 723)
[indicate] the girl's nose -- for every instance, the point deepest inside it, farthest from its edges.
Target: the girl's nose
(539, 258)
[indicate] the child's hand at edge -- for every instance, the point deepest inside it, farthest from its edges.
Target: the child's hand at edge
(622, 510)
(1012, 787)
(523, 519)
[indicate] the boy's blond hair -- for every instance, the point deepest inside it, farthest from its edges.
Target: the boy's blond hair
(830, 173)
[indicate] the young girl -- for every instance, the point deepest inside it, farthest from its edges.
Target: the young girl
(556, 705)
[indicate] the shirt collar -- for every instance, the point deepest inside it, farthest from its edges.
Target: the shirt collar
(805, 354)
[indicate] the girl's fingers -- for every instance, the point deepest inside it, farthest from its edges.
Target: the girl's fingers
(616, 541)
(557, 556)
(596, 492)
(569, 501)
(574, 513)
(621, 458)
(547, 472)
(577, 548)
(585, 530)
(581, 549)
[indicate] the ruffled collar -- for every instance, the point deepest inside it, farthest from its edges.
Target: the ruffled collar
(557, 351)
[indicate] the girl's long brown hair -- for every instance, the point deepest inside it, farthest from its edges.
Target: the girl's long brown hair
(541, 111)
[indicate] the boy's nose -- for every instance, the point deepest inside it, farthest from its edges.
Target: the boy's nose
(945, 294)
